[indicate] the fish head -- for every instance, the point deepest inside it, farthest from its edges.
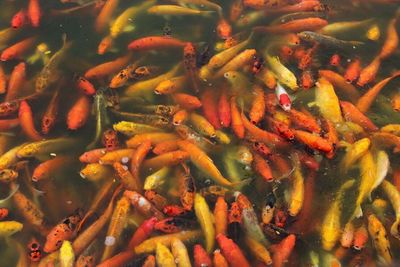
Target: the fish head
(306, 35)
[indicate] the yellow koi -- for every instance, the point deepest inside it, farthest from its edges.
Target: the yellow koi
(379, 239)
(164, 257)
(394, 196)
(180, 253)
(8, 228)
(353, 153)
(129, 128)
(327, 101)
(330, 231)
(283, 74)
(176, 10)
(66, 254)
(205, 219)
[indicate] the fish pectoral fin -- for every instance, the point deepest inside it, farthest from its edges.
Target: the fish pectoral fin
(129, 28)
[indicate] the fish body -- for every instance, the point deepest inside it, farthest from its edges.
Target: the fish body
(330, 230)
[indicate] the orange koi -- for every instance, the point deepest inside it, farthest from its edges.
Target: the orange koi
(236, 10)
(237, 122)
(65, 230)
(331, 136)
(190, 64)
(17, 80)
(19, 19)
(262, 167)
(85, 86)
(3, 81)
(335, 60)
(305, 121)
(187, 101)
(92, 156)
(392, 40)
(155, 42)
(3, 213)
(47, 168)
(209, 107)
(280, 163)
(127, 180)
(201, 257)
(297, 25)
(154, 138)
(166, 146)
(25, 116)
(366, 100)
(313, 141)
(353, 70)
(50, 115)
(281, 128)
(107, 68)
(105, 44)
(309, 5)
(167, 159)
(180, 117)
(360, 238)
(79, 113)
(221, 216)
(232, 252)
(353, 114)
(340, 83)
(219, 260)
(224, 108)
(263, 136)
(283, 250)
(105, 15)
(143, 205)
(17, 50)
(137, 158)
(187, 187)
(257, 110)
(369, 72)
(34, 12)
(224, 30)
(307, 79)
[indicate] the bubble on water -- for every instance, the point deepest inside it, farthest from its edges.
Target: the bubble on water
(53, 154)
(141, 202)
(124, 160)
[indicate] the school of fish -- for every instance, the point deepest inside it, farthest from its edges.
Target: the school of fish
(199, 133)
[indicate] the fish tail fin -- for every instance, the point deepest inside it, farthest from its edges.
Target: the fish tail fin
(239, 185)
(358, 212)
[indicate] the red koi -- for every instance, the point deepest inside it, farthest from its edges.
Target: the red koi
(283, 250)
(224, 109)
(209, 107)
(34, 12)
(79, 113)
(155, 42)
(232, 252)
(201, 257)
(26, 119)
(85, 86)
(18, 49)
(19, 19)
(17, 80)
(353, 70)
